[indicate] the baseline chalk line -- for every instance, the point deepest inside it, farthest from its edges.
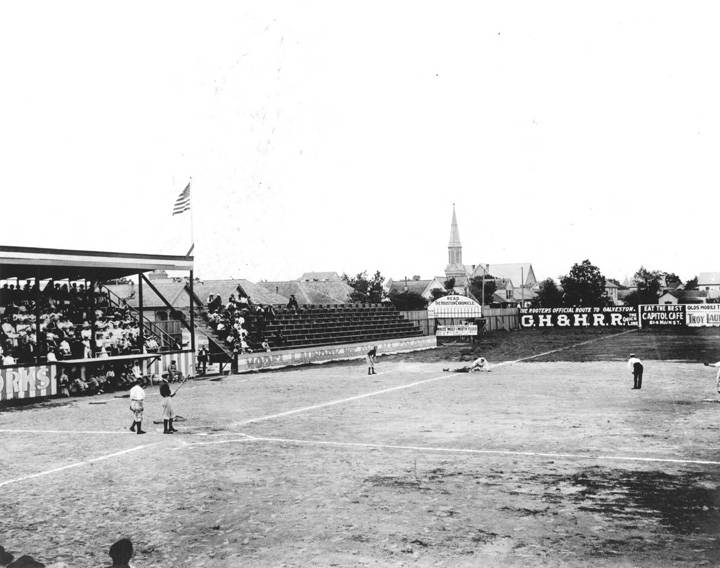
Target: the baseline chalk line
(30, 431)
(342, 400)
(517, 453)
(76, 464)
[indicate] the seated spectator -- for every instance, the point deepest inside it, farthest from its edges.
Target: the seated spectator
(292, 303)
(265, 345)
(8, 360)
(78, 387)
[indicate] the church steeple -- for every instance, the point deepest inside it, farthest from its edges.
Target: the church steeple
(455, 268)
(454, 232)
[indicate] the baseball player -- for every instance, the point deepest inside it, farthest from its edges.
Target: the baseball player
(137, 398)
(479, 364)
(370, 359)
(636, 366)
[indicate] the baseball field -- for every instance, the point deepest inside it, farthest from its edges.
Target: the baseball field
(549, 460)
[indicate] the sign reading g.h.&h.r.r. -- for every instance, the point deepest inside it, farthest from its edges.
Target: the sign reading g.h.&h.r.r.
(578, 316)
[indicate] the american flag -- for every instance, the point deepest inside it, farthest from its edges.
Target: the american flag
(182, 203)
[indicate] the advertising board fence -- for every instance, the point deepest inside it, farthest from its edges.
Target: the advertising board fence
(27, 381)
(702, 315)
(610, 316)
(662, 315)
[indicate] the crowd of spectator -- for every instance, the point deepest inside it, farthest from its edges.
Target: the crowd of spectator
(240, 323)
(63, 321)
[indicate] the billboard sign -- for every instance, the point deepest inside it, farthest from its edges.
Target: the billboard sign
(29, 381)
(456, 330)
(702, 315)
(609, 316)
(454, 306)
(662, 315)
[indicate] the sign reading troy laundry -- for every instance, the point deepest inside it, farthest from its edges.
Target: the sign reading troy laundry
(27, 381)
(702, 315)
(618, 316)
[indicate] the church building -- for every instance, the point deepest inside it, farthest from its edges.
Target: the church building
(516, 281)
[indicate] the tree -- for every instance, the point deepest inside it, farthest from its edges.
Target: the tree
(648, 284)
(584, 285)
(672, 280)
(407, 300)
(366, 289)
(476, 288)
(548, 295)
(692, 284)
(449, 284)
(438, 293)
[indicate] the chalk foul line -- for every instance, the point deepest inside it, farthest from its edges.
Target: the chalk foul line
(76, 464)
(247, 438)
(341, 401)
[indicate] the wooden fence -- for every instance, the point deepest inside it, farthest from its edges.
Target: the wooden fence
(495, 319)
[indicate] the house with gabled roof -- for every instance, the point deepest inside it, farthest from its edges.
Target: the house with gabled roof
(423, 287)
(312, 288)
(683, 297)
(710, 283)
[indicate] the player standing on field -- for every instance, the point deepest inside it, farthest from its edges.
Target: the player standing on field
(370, 358)
(636, 366)
(137, 397)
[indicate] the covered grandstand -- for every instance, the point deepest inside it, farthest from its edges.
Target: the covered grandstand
(58, 317)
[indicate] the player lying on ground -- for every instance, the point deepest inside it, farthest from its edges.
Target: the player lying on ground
(479, 364)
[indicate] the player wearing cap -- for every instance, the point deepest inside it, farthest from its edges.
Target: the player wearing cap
(370, 359)
(636, 366)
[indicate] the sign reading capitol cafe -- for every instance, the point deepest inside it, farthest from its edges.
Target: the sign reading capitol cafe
(615, 316)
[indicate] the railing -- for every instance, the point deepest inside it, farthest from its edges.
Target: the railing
(167, 342)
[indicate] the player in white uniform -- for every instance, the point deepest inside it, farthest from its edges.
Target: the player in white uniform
(479, 364)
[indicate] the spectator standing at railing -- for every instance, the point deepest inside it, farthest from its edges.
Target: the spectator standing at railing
(203, 359)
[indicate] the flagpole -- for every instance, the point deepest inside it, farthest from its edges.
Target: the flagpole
(192, 221)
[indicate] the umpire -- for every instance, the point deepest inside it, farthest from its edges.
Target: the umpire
(636, 366)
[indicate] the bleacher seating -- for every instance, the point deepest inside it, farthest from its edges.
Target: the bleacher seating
(335, 324)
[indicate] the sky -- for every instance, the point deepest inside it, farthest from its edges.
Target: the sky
(336, 136)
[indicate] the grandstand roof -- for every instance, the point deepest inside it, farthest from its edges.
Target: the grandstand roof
(29, 262)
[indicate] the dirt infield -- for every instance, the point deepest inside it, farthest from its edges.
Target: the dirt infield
(536, 463)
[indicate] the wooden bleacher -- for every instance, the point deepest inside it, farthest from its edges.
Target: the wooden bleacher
(335, 324)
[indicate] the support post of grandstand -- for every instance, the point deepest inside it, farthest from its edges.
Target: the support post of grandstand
(192, 312)
(141, 323)
(164, 300)
(91, 301)
(38, 318)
